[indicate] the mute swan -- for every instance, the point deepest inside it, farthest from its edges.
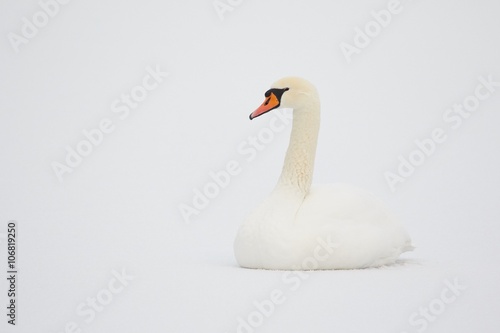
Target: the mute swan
(299, 227)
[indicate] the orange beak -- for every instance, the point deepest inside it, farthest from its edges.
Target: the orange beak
(271, 102)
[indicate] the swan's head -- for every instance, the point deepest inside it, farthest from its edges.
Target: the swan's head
(289, 92)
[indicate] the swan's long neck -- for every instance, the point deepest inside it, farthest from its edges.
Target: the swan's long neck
(299, 161)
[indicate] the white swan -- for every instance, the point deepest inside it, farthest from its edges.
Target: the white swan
(299, 227)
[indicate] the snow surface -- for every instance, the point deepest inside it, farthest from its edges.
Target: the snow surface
(118, 212)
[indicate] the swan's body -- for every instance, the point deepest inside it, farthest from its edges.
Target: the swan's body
(319, 227)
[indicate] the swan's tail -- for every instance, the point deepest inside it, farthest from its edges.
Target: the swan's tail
(408, 247)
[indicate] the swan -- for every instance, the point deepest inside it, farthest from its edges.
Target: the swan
(304, 227)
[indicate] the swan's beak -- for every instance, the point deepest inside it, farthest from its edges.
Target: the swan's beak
(271, 102)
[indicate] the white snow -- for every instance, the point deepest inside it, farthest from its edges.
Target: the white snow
(117, 213)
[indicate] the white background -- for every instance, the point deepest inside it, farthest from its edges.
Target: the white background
(119, 209)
